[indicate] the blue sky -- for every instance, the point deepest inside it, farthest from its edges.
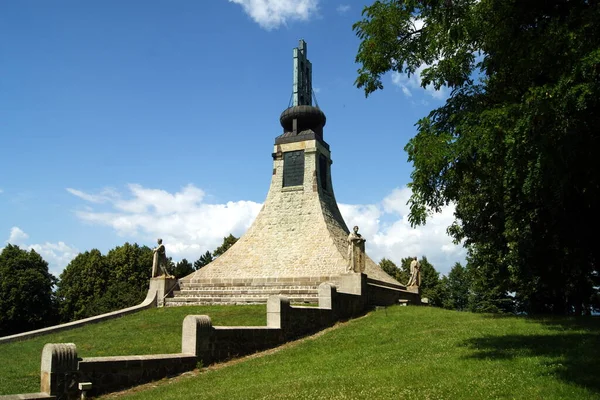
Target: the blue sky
(130, 120)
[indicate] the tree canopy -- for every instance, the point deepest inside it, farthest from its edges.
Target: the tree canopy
(94, 284)
(227, 243)
(204, 259)
(514, 146)
(26, 298)
(183, 268)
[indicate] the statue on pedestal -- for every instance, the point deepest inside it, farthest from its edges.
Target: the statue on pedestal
(415, 273)
(356, 252)
(159, 262)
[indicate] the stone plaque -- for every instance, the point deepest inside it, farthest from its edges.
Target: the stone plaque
(293, 168)
(323, 170)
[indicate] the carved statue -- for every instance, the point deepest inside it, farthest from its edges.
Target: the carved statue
(356, 252)
(415, 273)
(159, 262)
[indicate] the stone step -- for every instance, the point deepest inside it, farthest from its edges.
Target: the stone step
(250, 284)
(186, 286)
(298, 281)
(243, 296)
(233, 294)
(254, 289)
(188, 301)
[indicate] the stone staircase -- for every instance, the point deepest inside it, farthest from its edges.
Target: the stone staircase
(241, 292)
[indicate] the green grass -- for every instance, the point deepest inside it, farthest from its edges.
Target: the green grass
(416, 353)
(147, 332)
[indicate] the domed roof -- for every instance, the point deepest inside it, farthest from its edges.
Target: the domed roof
(308, 117)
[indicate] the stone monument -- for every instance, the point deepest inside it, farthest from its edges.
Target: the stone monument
(299, 238)
(159, 261)
(415, 274)
(356, 251)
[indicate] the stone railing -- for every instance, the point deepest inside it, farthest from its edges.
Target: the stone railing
(65, 376)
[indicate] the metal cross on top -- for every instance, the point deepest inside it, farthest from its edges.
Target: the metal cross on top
(302, 77)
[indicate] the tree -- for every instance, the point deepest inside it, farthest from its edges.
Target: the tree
(94, 284)
(132, 264)
(130, 267)
(81, 282)
(514, 147)
(26, 298)
(227, 243)
(457, 285)
(389, 268)
(204, 259)
(183, 268)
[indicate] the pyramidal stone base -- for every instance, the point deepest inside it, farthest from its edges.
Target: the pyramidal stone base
(298, 240)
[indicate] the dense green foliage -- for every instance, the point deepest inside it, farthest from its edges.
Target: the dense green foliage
(26, 298)
(389, 267)
(204, 259)
(227, 243)
(183, 268)
(515, 145)
(414, 353)
(456, 288)
(94, 284)
(82, 281)
(153, 331)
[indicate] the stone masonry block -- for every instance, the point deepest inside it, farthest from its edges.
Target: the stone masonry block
(327, 294)
(278, 308)
(195, 336)
(59, 375)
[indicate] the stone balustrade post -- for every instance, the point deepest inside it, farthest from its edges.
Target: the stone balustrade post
(327, 295)
(278, 310)
(59, 375)
(196, 335)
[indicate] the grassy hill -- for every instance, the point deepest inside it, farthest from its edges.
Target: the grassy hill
(399, 352)
(147, 332)
(416, 353)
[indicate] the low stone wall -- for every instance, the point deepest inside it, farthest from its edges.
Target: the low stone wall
(384, 294)
(284, 322)
(108, 374)
(63, 372)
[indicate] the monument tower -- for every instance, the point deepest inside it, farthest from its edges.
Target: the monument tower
(299, 239)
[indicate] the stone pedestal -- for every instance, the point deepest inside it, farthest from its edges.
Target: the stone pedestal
(353, 283)
(413, 289)
(162, 285)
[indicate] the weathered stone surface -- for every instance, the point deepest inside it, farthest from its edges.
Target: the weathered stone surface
(299, 232)
(59, 375)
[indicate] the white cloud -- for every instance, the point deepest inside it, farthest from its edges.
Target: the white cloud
(418, 23)
(1, 191)
(103, 197)
(189, 226)
(317, 90)
(408, 84)
(396, 239)
(343, 8)
(58, 255)
(17, 236)
(271, 14)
